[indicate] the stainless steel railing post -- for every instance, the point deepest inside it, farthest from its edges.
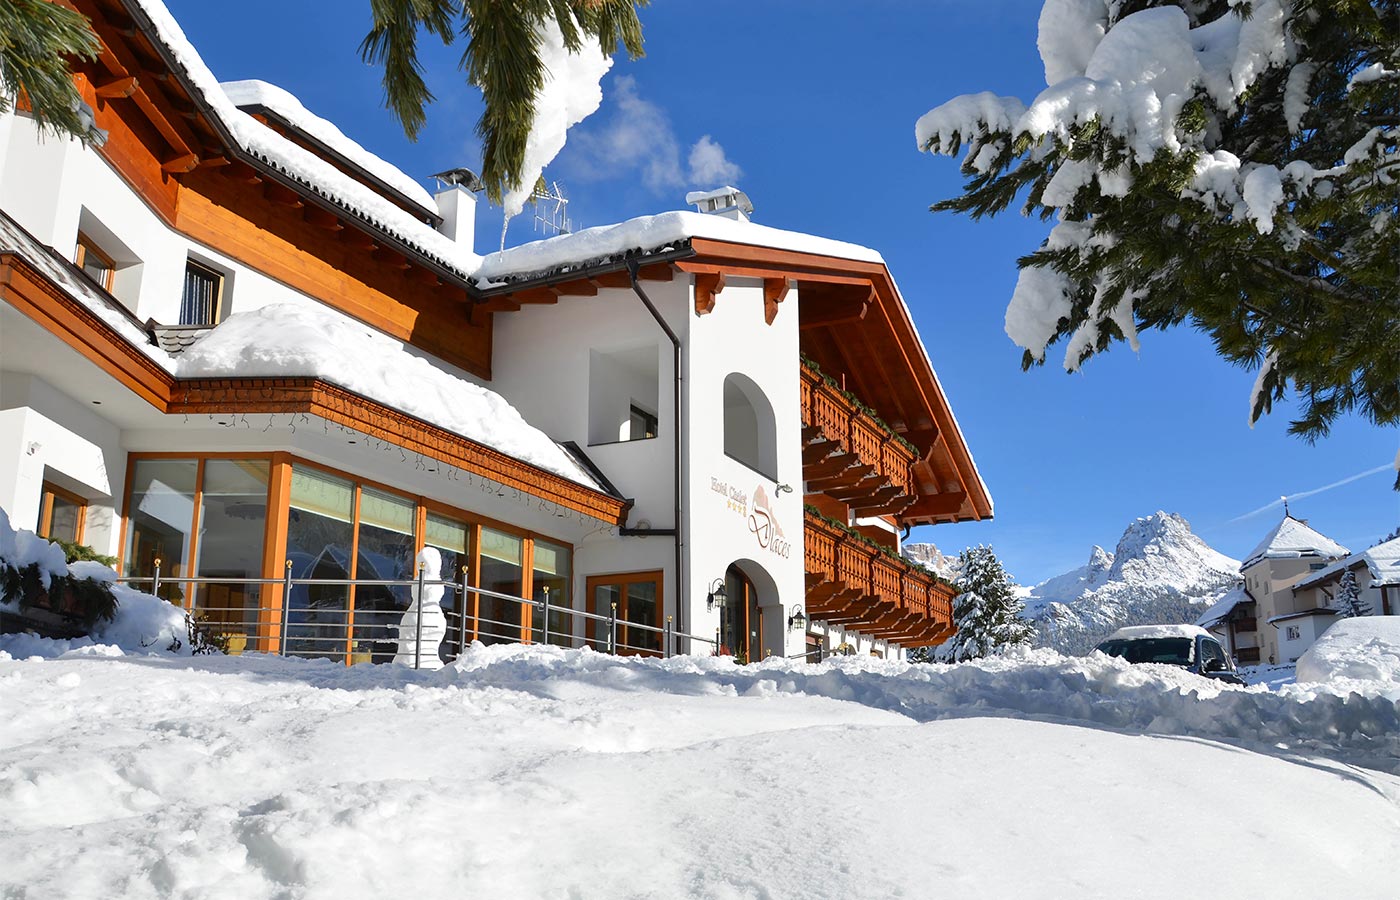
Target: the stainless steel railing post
(286, 607)
(612, 629)
(418, 616)
(462, 615)
(544, 627)
(155, 578)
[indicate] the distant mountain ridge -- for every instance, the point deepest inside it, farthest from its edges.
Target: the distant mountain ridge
(1160, 572)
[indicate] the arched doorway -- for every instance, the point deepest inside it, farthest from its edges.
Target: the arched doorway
(751, 618)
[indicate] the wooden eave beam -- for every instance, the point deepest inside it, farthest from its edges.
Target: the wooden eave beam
(935, 506)
(118, 88)
(826, 319)
(535, 295)
(181, 164)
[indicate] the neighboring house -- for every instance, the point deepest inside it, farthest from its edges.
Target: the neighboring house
(1377, 573)
(236, 342)
(1234, 621)
(1286, 624)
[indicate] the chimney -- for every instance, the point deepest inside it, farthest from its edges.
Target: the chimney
(726, 201)
(456, 203)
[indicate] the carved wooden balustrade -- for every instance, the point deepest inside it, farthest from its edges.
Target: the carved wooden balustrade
(855, 584)
(851, 457)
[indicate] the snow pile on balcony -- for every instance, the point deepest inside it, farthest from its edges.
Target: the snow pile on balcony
(287, 107)
(143, 623)
(312, 341)
(528, 772)
(1362, 650)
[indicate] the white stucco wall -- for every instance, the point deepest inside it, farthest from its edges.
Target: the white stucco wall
(54, 188)
(47, 435)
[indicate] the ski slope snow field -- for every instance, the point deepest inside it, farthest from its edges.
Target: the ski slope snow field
(528, 772)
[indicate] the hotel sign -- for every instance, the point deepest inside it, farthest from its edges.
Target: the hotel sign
(758, 512)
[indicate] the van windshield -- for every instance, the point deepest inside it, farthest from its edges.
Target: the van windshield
(1174, 651)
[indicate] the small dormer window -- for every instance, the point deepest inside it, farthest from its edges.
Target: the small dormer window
(202, 298)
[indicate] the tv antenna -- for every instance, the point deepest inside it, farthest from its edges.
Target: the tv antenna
(551, 208)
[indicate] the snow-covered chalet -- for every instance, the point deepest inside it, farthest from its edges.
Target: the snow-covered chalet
(236, 342)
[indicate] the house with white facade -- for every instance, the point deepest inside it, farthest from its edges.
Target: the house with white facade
(1376, 571)
(238, 349)
(1266, 620)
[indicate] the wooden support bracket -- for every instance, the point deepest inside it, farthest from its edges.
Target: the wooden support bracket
(707, 287)
(774, 291)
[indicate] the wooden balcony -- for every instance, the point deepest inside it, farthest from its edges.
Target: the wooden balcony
(1247, 655)
(852, 583)
(1248, 624)
(850, 456)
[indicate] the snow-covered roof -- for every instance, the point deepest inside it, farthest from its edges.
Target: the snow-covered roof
(311, 340)
(1220, 610)
(1383, 561)
(300, 164)
(1291, 539)
(652, 234)
(68, 276)
(253, 94)
(1148, 632)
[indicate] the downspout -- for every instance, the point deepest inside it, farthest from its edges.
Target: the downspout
(679, 530)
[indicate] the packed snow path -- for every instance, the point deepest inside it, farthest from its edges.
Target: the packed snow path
(535, 772)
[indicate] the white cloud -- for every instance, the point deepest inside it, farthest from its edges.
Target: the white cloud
(638, 140)
(709, 167)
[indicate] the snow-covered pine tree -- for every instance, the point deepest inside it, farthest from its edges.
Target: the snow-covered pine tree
(1234, 164)
(987, 611)
(1349, 602)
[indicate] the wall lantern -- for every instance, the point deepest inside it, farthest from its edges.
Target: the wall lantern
(717, 594)
(798, 620)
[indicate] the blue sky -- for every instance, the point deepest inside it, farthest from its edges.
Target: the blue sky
(815, 101)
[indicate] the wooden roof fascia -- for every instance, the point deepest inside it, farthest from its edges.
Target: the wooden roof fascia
(38, 297)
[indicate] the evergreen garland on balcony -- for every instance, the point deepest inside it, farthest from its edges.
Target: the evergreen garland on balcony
(860, 407)
(886, 550)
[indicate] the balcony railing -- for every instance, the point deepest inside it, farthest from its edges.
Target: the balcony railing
(1249, 624)
(850, 455)
(853, 583)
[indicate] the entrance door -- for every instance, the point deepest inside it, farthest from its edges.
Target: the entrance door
(741, 619)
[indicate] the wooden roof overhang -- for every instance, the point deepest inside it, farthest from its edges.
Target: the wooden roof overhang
(136, 73)
(32, 292)
(853, 323)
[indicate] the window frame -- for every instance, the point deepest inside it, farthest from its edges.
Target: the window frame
(651, 423)
(86, 245)
(220, 279)
(594, 635)
(50, 491)
(281, 464)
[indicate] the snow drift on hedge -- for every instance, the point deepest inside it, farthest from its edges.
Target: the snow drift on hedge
(143, 623)
(1363, 649)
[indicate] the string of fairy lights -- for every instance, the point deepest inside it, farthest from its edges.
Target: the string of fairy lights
(458, 478)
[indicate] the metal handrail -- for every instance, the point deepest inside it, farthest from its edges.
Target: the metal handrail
(256, 624)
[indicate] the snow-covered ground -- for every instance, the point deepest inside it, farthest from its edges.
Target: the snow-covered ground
(536, 772)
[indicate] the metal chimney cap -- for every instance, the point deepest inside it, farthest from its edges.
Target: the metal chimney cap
(461, 177)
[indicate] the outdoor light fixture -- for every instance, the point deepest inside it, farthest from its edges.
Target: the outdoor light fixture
(798, 620)
(785, 489)
(717, 594)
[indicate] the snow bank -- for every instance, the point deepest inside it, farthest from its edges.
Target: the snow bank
(283, 339)
(1365, 649)
(143, 623)
(529, 772)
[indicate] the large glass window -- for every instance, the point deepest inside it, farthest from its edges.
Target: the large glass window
(161, 515)
(232, 522)
(320, 544)
(386, 553)
(498, 619)
(551, 574)
(452, 539)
